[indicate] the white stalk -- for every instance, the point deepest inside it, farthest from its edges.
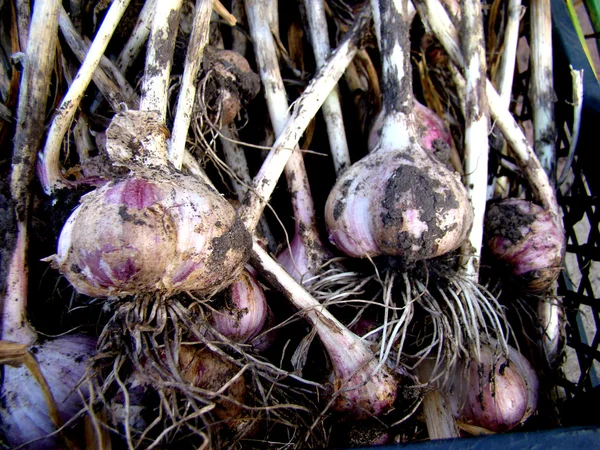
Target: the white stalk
(187, 91)
(115, 94)
(236, 161)
(295, 170)
(72, 99)
(138, 38)
(577, 101)
(505, 74)
(476, 131)
(29, 132)
(305, 108)
(361, 382)
(437, 19)
(332, 108)
(542, 86)
(508, 58)
(159, 57)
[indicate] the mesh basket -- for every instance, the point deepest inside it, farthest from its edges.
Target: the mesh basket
(579, 284)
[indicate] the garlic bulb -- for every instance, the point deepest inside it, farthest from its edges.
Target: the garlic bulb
(398, 201)
(497, 394)
(24, 412)
(245, 311)
(140, 234)
(524, 237)
(155, 229)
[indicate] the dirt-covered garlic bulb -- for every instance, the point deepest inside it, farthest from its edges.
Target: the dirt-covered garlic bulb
(154, 230)
(527, 241)
(398, 201)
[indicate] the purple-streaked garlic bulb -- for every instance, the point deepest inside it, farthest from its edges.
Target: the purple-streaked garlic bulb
(434, 134)
(497, 394)
(527, 240)
(245, 312)
(155, 229)
(398, 201)
(138, 234)
(24, 412)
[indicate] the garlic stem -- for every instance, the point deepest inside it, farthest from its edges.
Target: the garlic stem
(23, 13)
(542, 86)
(305, 108)
(65, 112)
(508, 58)
(29, 134)
(433, 13)
(277, 104)
(361, 382)
(239, 41)
(115, 94)
(159, 57)
(577, 102)
(236, 161)
(476, 130)
(138, 38)
(332, 109)
(187, 91)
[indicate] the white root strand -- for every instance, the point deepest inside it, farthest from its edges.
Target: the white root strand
(542, 86)
(138, 38)
(66, 110)
(305, 108)
(159, 58)
(437, 19)
(29, 132)
(187, 90)
(332, 109)
(476, 131)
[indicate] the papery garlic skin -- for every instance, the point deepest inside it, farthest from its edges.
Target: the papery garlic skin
(139, 234)
(435, 136)
(498, 393)
(526, 239)
(24, 411)
(401, 203)
(245, 311)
